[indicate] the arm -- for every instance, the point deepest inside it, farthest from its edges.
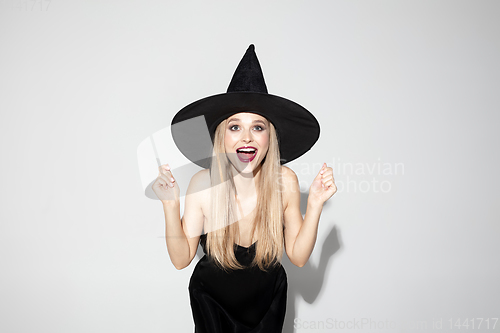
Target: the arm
(301, 233)
(182, 235)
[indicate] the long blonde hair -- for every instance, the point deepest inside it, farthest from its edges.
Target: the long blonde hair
(268, 217)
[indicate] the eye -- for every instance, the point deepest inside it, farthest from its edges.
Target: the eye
(232, 128)
(259, 128)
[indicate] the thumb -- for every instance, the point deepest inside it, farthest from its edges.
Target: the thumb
(320, 173)
(166, 170)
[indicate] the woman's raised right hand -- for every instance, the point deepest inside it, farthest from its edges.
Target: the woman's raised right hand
(165, 186)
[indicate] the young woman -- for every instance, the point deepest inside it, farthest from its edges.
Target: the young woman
(244, 209)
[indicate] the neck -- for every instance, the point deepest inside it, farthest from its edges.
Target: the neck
(245, 183)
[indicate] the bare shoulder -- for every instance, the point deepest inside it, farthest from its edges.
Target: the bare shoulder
(290, 185)
(289, 176)
(198, 192)
(202, 174)
(199, 182)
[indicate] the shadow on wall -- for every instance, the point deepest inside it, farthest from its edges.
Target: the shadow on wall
(307, 282)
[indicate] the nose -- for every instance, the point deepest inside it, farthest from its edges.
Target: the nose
(246, 136)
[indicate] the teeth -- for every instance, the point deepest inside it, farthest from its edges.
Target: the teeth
(247, 150)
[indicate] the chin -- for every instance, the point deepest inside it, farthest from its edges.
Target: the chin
(245, 168)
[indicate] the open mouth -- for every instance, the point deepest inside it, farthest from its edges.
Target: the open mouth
(246, 154)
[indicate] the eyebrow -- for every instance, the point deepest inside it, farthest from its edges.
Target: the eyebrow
(255, 121)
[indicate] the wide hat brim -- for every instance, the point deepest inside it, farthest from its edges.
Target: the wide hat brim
(297, 129)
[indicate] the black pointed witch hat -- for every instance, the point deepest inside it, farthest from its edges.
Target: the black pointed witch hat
(297, 129)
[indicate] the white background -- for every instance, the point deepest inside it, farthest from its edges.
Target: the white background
(406, 93)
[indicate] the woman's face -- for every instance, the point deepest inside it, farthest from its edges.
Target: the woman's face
(246, 140)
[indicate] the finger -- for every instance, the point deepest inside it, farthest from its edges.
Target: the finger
(327, 170)
(164, 177)
(167, 178)
(328, 183)
(322, 171)
(329, 177)
(168, 174)
(164, 168)
(162, 182)
(327, 174)
(172, 179)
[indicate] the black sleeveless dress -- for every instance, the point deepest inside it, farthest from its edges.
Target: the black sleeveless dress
(240, 301)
